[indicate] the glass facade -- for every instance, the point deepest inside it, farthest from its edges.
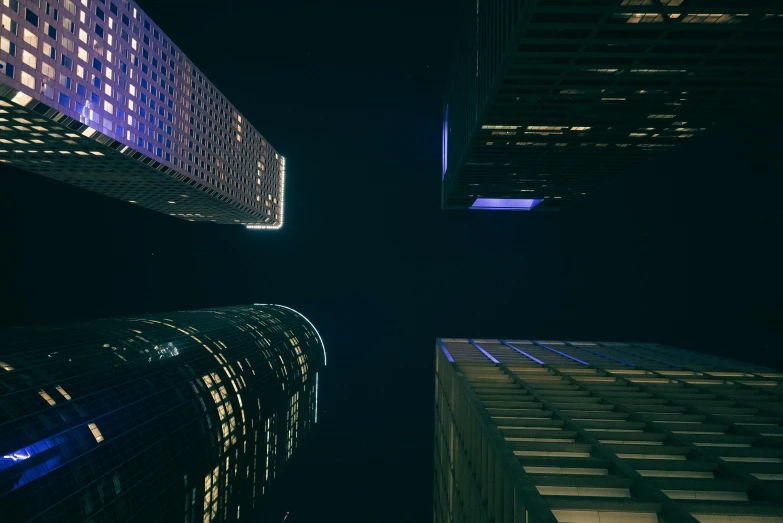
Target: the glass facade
(549, 99)
(591, 432)
(94, 94)
(185, 416)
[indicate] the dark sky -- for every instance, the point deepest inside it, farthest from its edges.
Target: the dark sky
(685, 250)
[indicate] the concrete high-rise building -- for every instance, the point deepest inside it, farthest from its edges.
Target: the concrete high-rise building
(185, 416)
(548, 99)
(94, 94)
(594, 432)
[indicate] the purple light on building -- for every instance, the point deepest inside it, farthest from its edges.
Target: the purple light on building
(445, 143)
(505, 204)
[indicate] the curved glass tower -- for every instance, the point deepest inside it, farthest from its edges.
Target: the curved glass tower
(185, 416)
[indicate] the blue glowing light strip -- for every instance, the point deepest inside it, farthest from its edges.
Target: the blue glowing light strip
(600, 354)
(445, 351)
(445, 144)
(523, 352)
(563, 354)
(487, 354)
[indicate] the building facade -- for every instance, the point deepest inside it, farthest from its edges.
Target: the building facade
(186, 416)
(94, 94)
(548, 99)
(593, 432)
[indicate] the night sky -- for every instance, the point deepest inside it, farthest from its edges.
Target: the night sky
(685, 250)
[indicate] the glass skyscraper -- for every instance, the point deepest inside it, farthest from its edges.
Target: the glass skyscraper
(595, 432)
(185, 416)
(548, 99)
(94, 94)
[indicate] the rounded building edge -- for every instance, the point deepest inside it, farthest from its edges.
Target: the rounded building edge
(320, 339)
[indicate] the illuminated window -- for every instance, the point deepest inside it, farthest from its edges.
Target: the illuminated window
(30, 38)
(48, 398)
(7, 46)
(62, 391)
(95, 432)
(29, 59)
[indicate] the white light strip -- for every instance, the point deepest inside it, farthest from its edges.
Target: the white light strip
(281, 199)
(303, 316)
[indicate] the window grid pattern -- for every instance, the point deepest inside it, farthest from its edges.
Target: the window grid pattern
(596, 431)
(107, 420)
(105, 65)
(577, 93)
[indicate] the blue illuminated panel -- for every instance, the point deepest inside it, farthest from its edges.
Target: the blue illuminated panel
(487, 354)
(522, 352)
(445, 143)
(504, 204)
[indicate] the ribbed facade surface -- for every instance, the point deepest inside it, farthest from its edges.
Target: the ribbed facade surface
(186, 416)
(550, 98)
(598, 432)
(94, 94)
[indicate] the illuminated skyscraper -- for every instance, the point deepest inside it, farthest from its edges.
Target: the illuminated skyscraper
(548, 99)
(186, 416)
(589, 432)
(94, 94)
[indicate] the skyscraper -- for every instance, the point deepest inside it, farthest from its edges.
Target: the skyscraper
(94, 94)
(186, 416)
(548, 99)
(589, 432)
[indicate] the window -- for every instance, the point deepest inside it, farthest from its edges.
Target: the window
(68, 44)
(47, 70)
(99, 30)
(30, 38)
(29, 59)
(97, 64)
(7, 46)
(59, 388)
(82, 53)
(50, 30)
(82, 35)
(44, 395)
(48, 50)
(31, 17)
(81, 90)
(8, 24)
(67, 62)
(95, 432)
